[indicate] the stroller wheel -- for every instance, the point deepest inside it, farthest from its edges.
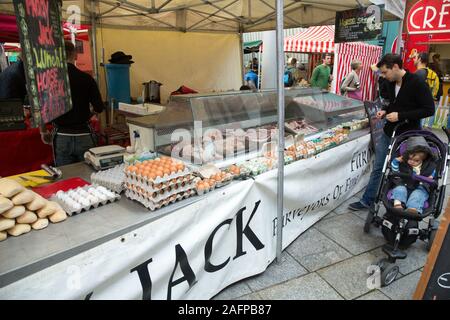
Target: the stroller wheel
(388, 274)
(369, 220)
(431, 239)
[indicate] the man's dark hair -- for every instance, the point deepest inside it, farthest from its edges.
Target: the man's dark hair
(325, 55)
(70, 48)
(389, 60)
(423, 56)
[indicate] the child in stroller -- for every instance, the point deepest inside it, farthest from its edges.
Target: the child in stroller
(418, 159)
(425, 182)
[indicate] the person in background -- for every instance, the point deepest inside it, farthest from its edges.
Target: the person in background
(409, 99)
(255, 63)
(251, 78)
(292, 68)
(13, 82)
(73, 136)
(321, 75)
(303, 74)
(351, 86)
(436, 67)
(421, 63)
(426, 74)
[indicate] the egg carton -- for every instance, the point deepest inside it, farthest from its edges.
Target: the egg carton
(162, 194)
(155, 187)
(75, 201)
(154, 206)
(112, 179)
(172, 178)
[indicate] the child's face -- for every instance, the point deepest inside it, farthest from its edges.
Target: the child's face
(416, 159)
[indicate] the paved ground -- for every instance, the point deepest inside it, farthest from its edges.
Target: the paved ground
(329, 261)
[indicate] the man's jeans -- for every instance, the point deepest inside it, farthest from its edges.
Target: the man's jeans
(71, 149)
(416, 199)
(381, 151)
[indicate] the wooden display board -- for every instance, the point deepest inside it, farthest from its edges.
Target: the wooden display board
(44, 58)
(434, 283)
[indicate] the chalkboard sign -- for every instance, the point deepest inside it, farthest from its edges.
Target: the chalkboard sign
(434, 283)
(360, 24)
(376, 125)
(44, 58)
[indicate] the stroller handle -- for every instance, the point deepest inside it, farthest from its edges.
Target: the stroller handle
(398, 126)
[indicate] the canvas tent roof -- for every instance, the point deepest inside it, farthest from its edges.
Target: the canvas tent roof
(318, 39)
(203, 15)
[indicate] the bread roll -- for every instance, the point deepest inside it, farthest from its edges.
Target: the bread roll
(6, 223)
(14, 212)
(47, 210)
(37, 203)
(58, 216)
(40, 224)
(19, 229)
(5, 204)
(3, 235)
(9, 187)
(28, 217)
(23, 197)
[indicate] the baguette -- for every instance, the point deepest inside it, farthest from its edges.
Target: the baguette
(58, 216)
(9, 187)
(3, 235)
(5, 204)
(37, 203)
(47, 210)
(28, 217)
(6, 223)
(19, 229)
(40, 224)
(23, 197)
(14, 212)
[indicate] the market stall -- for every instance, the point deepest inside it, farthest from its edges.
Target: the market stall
(320, 39)
(235, 224)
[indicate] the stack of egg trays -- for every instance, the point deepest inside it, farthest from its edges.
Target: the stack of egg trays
(154, 206)
(159, 192)
(72, 211)
(99, 178)
(158, 195)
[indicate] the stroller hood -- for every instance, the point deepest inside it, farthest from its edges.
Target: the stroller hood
(418, 144)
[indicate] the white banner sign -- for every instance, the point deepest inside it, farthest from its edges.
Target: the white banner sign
(195, 252)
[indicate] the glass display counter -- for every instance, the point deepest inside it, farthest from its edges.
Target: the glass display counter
(201, 128)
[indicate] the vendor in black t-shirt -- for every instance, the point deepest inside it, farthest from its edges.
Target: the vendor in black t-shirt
(73, 135)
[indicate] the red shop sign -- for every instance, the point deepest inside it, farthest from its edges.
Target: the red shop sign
(429, 16)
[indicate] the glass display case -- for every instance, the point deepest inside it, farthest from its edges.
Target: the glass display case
(203, 128)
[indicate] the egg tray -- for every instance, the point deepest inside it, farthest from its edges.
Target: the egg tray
(154, 206)
(180, 176)
(71, 211)
(156, 197)
(152, 187)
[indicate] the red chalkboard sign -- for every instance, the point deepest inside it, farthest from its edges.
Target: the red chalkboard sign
(44, 58)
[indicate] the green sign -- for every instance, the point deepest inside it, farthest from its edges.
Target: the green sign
(44, 58)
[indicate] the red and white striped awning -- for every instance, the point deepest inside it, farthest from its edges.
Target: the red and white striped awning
(318, 39)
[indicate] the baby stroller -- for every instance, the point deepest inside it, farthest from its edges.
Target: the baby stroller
(399, 227)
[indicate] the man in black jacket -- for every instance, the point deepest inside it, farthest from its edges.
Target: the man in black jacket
(13, 83)
(409, 99)
(73, 136)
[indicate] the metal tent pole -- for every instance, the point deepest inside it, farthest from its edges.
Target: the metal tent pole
(280, 89)
(94, 39)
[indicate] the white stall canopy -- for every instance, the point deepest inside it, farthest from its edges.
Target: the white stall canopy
(203, 15)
